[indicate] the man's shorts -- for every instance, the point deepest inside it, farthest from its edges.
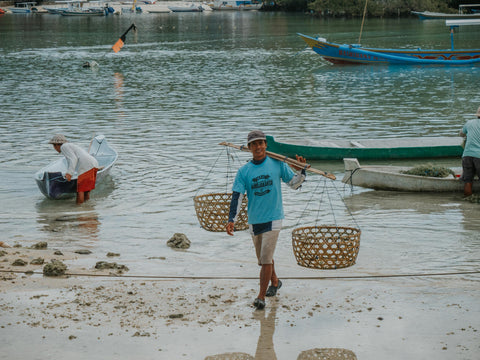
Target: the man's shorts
(86, 181)
(471, 166)
(266, 242)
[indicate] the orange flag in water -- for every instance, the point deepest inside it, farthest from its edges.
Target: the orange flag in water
(118, 45)
(120, 42)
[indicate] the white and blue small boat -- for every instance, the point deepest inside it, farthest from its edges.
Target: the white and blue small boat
(186, 8)
(51, 178)
(237, 5)
(23, 8)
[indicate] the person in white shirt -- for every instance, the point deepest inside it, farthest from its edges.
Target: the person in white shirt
(79, 161)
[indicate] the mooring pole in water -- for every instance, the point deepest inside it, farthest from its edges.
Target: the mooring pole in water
(452, 31)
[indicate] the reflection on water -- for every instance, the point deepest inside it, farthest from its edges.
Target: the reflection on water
(67, 222)
(231, 356)
(424, 203)
(327, 354)
(265, 346)
(118, 85)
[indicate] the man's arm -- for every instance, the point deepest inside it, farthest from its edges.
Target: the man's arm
(235, 205)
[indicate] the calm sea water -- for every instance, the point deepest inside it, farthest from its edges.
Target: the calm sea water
(185, 82)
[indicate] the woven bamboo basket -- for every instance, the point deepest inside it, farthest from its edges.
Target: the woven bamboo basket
(213, 209)
(326, 247)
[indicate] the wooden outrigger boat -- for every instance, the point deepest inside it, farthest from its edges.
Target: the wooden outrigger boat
(51, 181)
(374, 149)
(356, 54)
(384, 177)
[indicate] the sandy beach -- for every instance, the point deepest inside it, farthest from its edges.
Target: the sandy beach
(103, 314)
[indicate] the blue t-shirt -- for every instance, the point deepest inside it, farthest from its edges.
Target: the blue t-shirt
(262, 183)
(472, 145)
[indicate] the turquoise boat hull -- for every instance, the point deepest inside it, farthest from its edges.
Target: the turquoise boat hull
(355, 54)
(406, 148)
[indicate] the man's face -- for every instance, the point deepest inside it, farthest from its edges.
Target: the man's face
(258, 149)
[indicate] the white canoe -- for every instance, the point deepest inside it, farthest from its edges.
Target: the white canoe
(384, 177)
(50, 179)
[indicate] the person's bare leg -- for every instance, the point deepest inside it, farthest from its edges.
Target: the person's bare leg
(467, 189)
(80, 197)
(274, 278)
(265, 276)
(87, 195)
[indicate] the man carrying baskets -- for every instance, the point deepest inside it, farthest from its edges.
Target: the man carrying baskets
(261, 179)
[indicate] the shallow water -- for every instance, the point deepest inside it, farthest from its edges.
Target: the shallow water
(186, 82)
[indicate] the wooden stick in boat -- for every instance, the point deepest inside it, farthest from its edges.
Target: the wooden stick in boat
(285, 159)
(91, 142)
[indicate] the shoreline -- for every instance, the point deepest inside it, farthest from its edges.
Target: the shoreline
(198, 319)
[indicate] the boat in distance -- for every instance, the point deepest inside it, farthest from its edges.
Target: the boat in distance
(50, 179)
(370, 149)
(237, 5)
(24, 8)
(385, 177)
(465, 11)
(428, 15)
(186, 8)
(356, 54)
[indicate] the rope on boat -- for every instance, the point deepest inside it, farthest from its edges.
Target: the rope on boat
(192, 277)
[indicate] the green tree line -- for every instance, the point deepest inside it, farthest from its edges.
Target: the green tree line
(375, 8)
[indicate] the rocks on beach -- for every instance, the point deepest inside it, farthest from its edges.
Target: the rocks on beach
(102, 265)
(54, 268)
(179, 241)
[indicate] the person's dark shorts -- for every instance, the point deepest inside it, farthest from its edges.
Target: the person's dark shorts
(471, 166)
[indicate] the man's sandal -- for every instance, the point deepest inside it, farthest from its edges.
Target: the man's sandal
(272, 290)
(259, 304)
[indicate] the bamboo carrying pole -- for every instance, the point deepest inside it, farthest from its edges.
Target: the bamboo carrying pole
(285, 159)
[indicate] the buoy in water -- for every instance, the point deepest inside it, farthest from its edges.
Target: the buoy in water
(90, 64)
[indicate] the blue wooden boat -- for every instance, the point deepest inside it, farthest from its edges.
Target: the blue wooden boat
(356, 54)
(50, 179)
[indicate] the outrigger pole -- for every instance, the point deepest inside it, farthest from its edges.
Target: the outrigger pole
(285, 159)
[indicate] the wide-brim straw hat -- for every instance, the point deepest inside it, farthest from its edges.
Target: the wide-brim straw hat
(58, 139)
(478, 112)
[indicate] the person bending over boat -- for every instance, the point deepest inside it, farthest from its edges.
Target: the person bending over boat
(261, 179)
(80, 161)
(471, 153)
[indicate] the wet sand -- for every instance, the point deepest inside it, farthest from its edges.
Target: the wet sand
(100, 314)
